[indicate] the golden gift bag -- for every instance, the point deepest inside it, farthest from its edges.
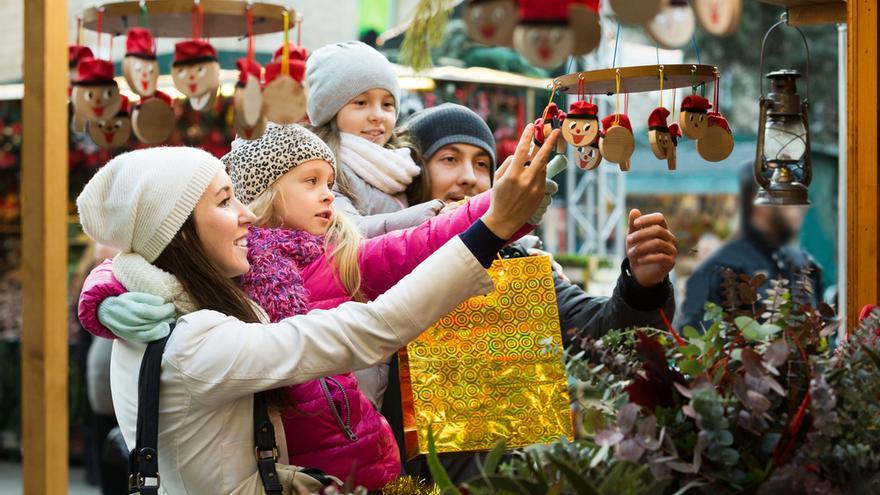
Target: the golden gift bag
(490, 369)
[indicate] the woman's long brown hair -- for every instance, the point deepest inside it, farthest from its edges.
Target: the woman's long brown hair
(186, 259)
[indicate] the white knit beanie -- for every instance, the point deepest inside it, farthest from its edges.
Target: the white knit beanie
(338, 72)
(139, 200)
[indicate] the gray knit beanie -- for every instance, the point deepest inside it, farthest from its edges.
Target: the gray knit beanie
(338, 72)
(254, 165)
(436, 127)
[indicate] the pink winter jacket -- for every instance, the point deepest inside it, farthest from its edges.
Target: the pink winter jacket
(291, 273)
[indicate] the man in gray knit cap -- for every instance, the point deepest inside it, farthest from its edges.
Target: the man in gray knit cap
(458, 153)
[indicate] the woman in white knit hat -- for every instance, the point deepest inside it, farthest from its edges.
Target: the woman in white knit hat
(181, 232)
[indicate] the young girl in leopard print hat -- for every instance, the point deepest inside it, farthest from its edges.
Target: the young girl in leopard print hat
(305, 256)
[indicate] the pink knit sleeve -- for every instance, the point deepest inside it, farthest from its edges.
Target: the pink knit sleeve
(98, 286)
(384, 260)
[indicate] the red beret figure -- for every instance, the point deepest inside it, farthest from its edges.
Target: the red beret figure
(581, 124)
(140, 67)
(491, 22)
(95, 93)
(543, 35)
(114, 132)
(152, 120)
(247, 101)
(617, 144)
(660, 138)
(196, 72)
(692, 117)
(717, 143)
(75, 53)
(284, 98)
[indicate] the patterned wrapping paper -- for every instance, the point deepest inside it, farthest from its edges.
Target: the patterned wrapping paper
(490, 369)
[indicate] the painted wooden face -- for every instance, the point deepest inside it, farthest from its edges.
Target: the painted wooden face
(672, 27)
(587, 28)
(284, 101)
(588, 157)
(718, 17)
(491, 22)
(580, 132)
(546, 46)
(660, 143)
(618, 144)
(112, 133)
(249, 121)
(96, 102)
(152, 121)
(693, 124)
(141, 75)
(198, 81)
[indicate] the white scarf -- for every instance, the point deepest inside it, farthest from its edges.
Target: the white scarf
(388, 170)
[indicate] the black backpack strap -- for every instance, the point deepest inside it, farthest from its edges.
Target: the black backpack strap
(143, 460)
(266, 450)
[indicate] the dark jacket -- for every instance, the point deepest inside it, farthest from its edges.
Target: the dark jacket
(750, 253)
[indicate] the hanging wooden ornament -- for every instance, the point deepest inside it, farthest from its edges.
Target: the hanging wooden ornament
(589, 156)
(543, 35)
(581, 124)
(672, 152)
(491, 22)
(674, 26)
(658, 133)
(692, 116)
(585, 24)
(75, 53)
(552, 118)
(284, 99)
(247, 101)
(717, 143)
(95, 93)
(630, 12)
(196, 72)
(140, 67)
(152, 120)
(718, 17)
(114, 132)
(618, 144)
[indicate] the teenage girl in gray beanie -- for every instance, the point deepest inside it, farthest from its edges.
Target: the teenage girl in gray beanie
(354, 100)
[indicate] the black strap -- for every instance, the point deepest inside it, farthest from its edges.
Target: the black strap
(143, 459)
(266, 449)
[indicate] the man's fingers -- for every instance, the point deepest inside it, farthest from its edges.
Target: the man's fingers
(652, 232)
(633, 215)
(650, 219)
(504, 167)
(665, 261)
(651, 247)
(539, 161)
(521, 155)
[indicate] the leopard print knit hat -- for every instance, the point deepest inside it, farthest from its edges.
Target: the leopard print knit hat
(253, 165)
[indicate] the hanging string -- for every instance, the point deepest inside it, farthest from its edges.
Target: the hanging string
(657, 47)
(110, 55)
(197, 20)
(717, 87)
(142, 17)
(285, 51)
(693, 79)
(674, 93)
(616, 43)
(250, 31)
(582, 88)
(100, 17)
(661, 85)
(626, 104)
(79, 27)
(552, 94)
(617, 95)
(696, 49)
(299, 23)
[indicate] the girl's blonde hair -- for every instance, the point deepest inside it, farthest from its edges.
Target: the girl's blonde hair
(329, 133)
(342, 239)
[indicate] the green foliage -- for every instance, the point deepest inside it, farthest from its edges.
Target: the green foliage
(425, 32)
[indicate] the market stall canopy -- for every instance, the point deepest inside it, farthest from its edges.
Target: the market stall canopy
(475, 75)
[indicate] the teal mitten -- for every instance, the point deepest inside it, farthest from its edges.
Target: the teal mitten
(550, 189)
(137, 316)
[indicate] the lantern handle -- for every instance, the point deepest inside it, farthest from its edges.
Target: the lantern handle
(784, 20)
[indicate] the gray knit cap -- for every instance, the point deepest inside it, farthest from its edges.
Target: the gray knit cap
(338, 72)
(435, 127)
(254, 165)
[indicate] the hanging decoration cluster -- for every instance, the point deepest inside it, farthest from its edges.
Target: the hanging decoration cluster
(275, 94)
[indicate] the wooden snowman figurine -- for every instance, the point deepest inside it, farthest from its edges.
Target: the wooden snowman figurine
(140, 67)
(692, 117)
(247, 101)
(152, 120)
(717, 143)
(491, 22)
(114, 132)
(95, 93)
(581, 124)
(196, 72)
(617, 144)
(284, 98)
(659, 136)
(543, 35)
